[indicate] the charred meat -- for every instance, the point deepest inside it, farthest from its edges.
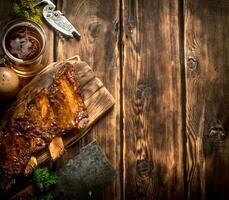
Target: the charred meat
(47, 109)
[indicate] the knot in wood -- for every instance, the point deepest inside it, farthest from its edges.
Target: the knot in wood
(94, 29)
(192, 67)
(129, 27)
(217, 134)
(192, 64)
(144, 167)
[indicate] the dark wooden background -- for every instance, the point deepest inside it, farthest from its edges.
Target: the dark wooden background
(166, 62)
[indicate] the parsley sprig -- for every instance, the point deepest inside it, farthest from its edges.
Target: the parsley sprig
(44, 181)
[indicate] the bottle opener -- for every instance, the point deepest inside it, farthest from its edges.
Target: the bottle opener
(56, 19)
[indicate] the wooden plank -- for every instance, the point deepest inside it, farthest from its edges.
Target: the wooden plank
(98, 23)
(207, 80)
(152, 101)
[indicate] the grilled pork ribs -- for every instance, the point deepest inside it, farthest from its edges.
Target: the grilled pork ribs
(50, 106)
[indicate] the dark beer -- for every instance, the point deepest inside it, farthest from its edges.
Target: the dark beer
(24, 43)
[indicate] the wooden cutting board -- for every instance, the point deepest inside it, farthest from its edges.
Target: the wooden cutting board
(98, 101)
(97, 98)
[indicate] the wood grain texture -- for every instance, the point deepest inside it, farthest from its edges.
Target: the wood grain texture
(207, 81)
(152, 101)
(98, 23)
(150, 72)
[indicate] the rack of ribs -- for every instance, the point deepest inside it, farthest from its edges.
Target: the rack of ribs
(51, 106)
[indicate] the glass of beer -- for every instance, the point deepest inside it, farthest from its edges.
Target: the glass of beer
(24, 44)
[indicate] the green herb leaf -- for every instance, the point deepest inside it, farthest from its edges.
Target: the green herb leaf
(25, 9)
(44, 180)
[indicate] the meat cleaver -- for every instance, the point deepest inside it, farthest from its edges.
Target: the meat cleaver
(84, 175)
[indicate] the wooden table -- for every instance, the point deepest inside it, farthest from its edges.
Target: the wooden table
(167, 65)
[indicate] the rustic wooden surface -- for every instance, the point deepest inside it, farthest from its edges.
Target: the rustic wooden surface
(207, 89)
(166, 64)
(151, 98)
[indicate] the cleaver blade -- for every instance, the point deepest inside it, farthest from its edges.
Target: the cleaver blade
(85, 174)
